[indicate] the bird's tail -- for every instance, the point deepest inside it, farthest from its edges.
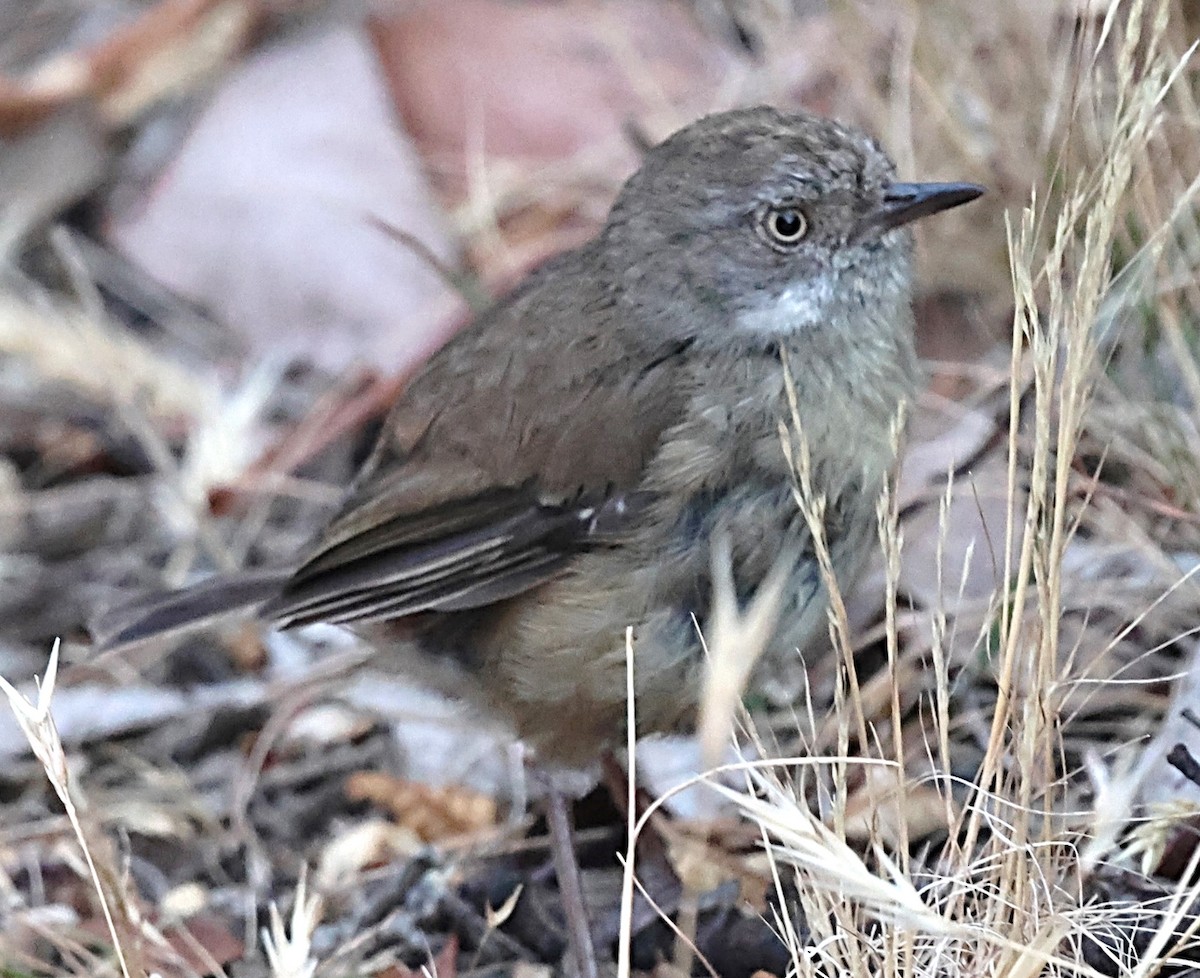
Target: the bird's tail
(160, 614)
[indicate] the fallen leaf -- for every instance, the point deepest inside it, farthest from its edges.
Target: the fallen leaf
(525, 109)
(366, 844)
(542, 82)
(431, 813)
(878, 807)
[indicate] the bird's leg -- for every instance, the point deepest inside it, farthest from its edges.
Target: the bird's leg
(570, 882)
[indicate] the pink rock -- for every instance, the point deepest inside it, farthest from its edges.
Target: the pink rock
(265, 217)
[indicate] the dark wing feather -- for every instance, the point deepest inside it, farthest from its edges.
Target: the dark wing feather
(480, 585)
(366, 530)
(492, 551)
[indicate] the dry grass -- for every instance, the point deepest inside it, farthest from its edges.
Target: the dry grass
(115, 903)
(1030, 686)
(1101, 123)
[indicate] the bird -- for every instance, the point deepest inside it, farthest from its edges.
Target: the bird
(559, 470)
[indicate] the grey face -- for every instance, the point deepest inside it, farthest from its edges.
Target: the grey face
(762, 224)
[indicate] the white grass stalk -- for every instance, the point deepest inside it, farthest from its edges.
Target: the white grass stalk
(37, 724)
(625, 939)
(289, 950)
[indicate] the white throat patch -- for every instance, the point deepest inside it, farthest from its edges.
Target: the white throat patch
(799, 306)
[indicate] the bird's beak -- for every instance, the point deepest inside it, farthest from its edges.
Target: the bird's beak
(905, 202)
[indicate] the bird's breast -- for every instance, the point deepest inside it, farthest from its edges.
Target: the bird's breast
(730, 466)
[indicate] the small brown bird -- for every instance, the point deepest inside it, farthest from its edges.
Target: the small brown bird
(558, 470)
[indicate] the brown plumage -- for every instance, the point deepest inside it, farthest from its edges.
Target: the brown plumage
(556, 472)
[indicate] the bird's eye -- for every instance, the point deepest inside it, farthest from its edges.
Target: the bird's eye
(783, 227)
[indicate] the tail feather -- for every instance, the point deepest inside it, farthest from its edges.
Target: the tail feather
(156, 615)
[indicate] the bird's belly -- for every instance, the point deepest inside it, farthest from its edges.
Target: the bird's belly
(557, 664)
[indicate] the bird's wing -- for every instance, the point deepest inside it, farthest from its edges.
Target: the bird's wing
(520, 445)
(462, 553)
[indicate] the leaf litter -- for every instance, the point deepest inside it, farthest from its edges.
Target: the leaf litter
(996, 773)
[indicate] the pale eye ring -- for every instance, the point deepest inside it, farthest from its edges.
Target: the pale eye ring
(783, 226)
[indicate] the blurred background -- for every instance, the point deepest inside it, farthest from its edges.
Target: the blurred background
(231, 229)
